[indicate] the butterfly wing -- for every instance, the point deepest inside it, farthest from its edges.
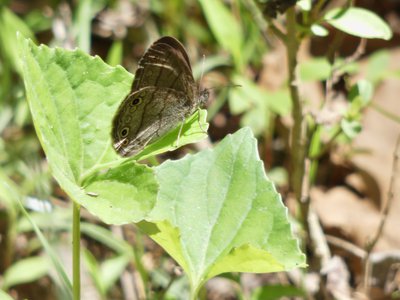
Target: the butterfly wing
(166, 65)
(146, 115)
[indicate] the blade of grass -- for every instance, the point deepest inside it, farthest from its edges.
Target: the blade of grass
(65, 282)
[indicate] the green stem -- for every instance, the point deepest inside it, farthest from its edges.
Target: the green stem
(298, 131)
(76, 238)
(138, 253)
(386, 113)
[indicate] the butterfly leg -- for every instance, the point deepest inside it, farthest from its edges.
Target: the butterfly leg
(180, 132)
(198, 120)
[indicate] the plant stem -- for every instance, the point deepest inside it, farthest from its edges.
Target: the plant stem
(76, 237)
(298, 131)
(384, 215)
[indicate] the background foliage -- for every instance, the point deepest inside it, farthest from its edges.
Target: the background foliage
(241, 47)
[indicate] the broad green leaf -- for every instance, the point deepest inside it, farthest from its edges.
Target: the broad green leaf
(359, 22)
(73, 97)
(26, 270)
(110, 194)
(217, 212)
(225, 28)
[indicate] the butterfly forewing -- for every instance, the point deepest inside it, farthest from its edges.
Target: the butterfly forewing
(165, 64)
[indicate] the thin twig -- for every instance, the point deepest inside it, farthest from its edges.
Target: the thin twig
(345, 245)
(384, 215)
(337, 71)
(277, 31)
(321, 248)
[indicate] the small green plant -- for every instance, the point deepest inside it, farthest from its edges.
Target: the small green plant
(213, 212)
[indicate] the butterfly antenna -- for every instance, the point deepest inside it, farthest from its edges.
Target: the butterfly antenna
(203, 63)
(225, 86)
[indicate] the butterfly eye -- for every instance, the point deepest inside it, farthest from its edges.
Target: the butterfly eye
(136, 101)
(125, 143)
(124, 132)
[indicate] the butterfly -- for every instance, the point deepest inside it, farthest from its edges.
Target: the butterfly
(163, 94)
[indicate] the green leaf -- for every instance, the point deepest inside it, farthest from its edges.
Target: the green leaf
(10, 24)
(93, 270)
(114, 56)
(317, 68)
(112, 269)
(194, 129)
(209, 63)
(105, 275)
(304, 4)
(319, 30)
(279, 176)
(351, 128)
(359, 22)
(5, 296)
(361, 93)
(257, 119)
(9, 196)
(106, 237)
(225, 28)
(250, 98)
(276, 292)
(66, 286)
(86, 10)
(252, 101)
(73, 97)
(378, 66)
(110, 195)
(26, 270)
(218, 212)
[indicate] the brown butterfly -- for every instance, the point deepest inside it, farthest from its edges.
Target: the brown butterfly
(163, 95)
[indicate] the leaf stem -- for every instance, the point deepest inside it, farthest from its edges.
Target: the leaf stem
(76, 237)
